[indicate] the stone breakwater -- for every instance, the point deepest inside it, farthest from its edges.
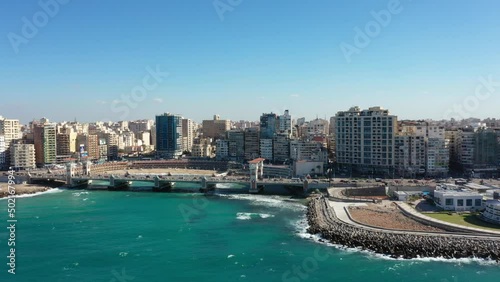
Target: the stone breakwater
(322, 220)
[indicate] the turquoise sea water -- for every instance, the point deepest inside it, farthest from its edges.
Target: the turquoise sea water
(129, 236)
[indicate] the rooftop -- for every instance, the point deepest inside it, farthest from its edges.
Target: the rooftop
(461, 193)
(256, 161)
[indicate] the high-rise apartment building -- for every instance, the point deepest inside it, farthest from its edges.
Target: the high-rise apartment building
(90, 144)
(252, 143)
(112, 145)
(215, 128)
(63, 144)
(269, 125)
(22, 156)
(139, 126)
(3, 153)
(10, 130)
(486, 148)
(464, 147)
(285, 123)
(266, 149)
(365, 140)
(222, 150)
(421, 149)
(236, 143)
(45, 139)
(281, 147)
(169, 136)
(188, 134)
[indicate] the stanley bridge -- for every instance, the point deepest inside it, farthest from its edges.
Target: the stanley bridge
(76, 178)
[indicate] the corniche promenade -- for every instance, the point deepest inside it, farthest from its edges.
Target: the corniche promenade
(322, 220)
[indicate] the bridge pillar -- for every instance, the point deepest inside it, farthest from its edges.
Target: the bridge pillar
(157, 181)
(86, 167)
(69, 172)
(203, 183)
(112, 180)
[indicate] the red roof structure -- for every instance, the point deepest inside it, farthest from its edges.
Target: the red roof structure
(256, 161)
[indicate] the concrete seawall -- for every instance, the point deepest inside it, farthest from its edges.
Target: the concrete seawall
(322, 220)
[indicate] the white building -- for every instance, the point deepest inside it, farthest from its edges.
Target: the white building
(316, 127)
(457, 200)
(145, 137)
(266, 149)
(10, 130)
(492, 212)
(421, 148)
(285, 123)
(222, 149)
(188, 134)
(203, 150)
(365, 140)
(22, 156)
(3, 152)
(304, 168)
(139, 126)
(307, 150)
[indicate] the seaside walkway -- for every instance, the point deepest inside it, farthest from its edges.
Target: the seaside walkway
(336, 194)
(411, 212)
(342, 214)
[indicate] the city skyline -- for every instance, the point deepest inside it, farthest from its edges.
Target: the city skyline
(210, 117)
(198, 61)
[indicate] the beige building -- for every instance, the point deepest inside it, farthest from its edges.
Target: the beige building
(188, 134)
(22, 156)
(90, 144)
(215, 128)
(10, 130)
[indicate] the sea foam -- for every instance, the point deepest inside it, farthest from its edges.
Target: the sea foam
(50, 191)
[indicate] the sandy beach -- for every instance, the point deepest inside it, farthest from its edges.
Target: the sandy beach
(22, 189)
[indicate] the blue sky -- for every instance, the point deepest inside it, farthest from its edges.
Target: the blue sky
(259, 56)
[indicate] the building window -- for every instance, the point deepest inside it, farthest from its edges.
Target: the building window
(460, 202)
(469, 202)
(479, 202)
(449, 202)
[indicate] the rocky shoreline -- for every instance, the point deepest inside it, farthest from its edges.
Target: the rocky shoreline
(322, 220)
(22, 189)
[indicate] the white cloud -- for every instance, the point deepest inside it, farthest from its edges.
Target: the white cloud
(294, 95)
(101, 102)
(158, 100)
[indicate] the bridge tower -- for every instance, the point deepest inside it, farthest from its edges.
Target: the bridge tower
(69, 172)
(256, 173)
(86, 167)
